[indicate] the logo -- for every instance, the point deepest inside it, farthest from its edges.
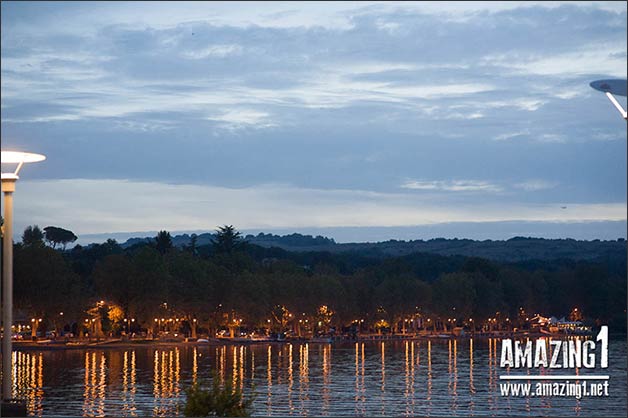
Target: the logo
(544, 355)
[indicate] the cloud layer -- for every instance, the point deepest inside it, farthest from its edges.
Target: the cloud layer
(482, 103)
(116, 205)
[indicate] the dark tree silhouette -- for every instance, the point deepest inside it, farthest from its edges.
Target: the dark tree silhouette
(45, 282)
(193, 242)
(164, 242)
(227, 240)
(193, 247)
(33, 235)
(55, 235)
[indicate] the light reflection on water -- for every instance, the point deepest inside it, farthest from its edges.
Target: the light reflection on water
(425, 377)
(28, 379)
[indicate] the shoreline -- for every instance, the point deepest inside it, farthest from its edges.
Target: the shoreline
(117, 343)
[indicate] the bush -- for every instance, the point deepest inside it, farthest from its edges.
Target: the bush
(220, 401)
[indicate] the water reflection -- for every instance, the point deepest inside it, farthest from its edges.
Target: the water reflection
(429, 375)
(195, 366)
(234, 374)
(326, 377)
(471, 385)
(94, 394)
(360, 389)
(28, 372)
(492, 372)
(454, 374)
(129, 384)
(290, 379)
(221, 360)
(304, 377)
(409, 377)
(402, 378)
(166, 382)
(269, 367)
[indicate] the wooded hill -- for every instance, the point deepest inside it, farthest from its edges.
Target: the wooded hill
(514, 249)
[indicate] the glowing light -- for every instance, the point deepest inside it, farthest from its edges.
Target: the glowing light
(15, 157)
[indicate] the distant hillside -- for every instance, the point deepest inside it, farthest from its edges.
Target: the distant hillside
(263, 240)
(512, 250)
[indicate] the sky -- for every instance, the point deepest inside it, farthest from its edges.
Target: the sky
(364, 120)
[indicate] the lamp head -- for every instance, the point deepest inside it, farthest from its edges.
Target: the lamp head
(617, 87)
(19, 158)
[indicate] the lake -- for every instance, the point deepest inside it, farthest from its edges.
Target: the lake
(458, 377)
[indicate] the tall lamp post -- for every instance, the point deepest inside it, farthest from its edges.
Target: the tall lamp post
(8, 187)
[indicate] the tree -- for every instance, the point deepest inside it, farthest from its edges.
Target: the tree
(33, 235)
(489, 296)
(220, 401)
(152, 281)
(247, 294)
(84, 259)
(55, 235)
(193, 244)
(323, 317)
(45, 283)
(454, 296)
(191, 287)
(116, 279)
(399, 296)
(138, 283)
(164, 242)
(227, 240)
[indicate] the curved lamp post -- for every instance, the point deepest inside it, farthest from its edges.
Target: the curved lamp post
(8, 187)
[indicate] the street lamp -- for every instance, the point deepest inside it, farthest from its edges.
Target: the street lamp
(611, 88)
(8, 187)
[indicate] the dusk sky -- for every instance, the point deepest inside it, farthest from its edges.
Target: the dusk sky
(433, 119)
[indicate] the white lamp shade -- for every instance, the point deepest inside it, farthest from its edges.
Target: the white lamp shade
(16, 157)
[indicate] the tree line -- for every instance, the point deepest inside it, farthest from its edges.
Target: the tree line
(233, 284)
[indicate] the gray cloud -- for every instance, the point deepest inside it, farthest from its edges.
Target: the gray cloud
(322, 96)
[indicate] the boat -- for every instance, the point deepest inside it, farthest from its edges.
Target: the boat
(260, 339)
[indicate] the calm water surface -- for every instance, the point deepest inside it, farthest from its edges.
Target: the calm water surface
(400, 378)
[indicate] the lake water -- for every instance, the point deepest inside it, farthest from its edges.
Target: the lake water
(393, 378)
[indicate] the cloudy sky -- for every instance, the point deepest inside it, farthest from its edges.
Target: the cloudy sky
(420, 117)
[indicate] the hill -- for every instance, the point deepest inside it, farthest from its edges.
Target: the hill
(512, 250)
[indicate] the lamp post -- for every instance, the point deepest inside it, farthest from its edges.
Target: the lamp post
(8, 187)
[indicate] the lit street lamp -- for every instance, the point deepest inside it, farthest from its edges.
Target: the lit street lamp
(8, 187)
